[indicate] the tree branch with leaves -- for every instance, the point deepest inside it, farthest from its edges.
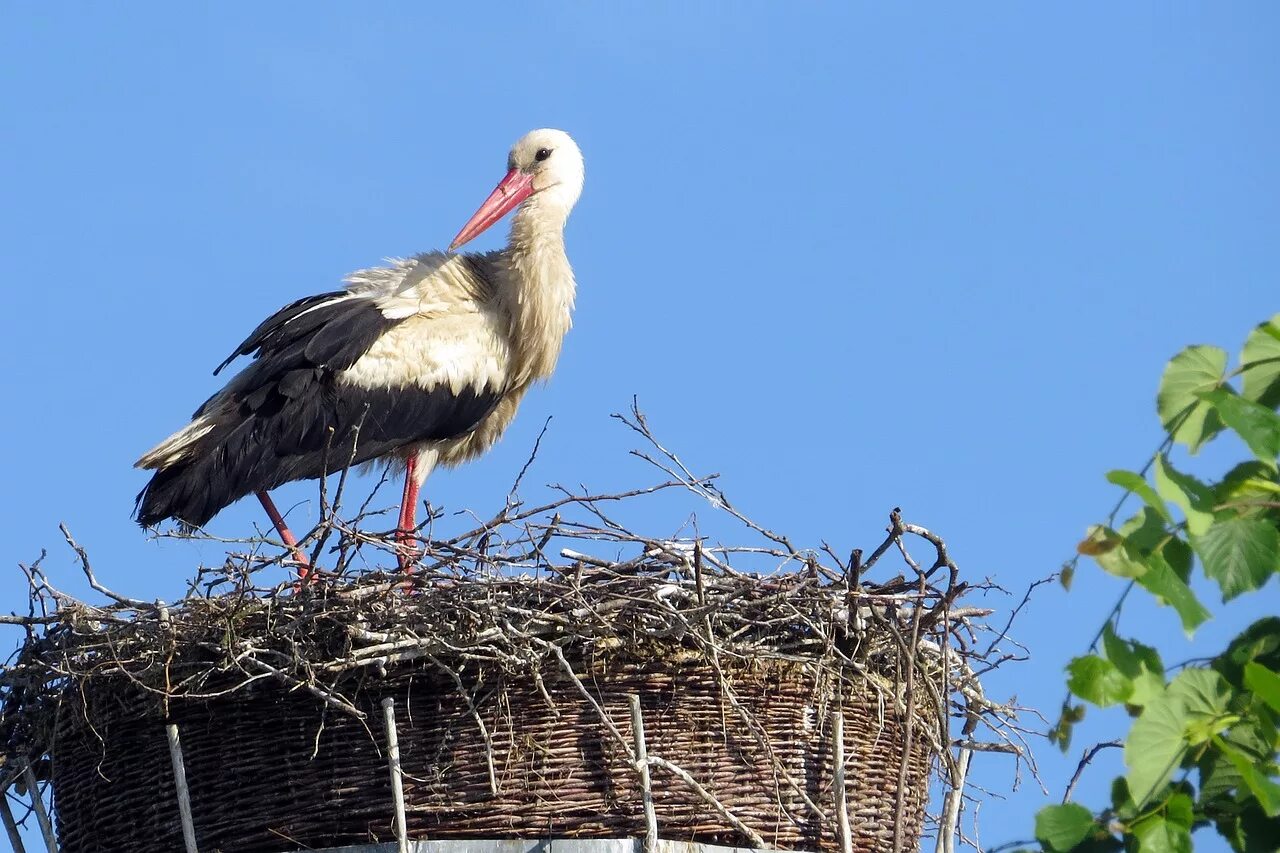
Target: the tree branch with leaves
(1202, 747)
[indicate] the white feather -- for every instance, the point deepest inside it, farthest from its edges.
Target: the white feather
(454, 350)
(431, 283)
(175, 446)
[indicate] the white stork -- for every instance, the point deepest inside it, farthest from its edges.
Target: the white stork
(422, 362)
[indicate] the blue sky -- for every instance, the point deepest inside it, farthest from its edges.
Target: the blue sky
(852, 257)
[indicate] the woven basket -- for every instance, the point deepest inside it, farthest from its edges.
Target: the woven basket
(271, 770)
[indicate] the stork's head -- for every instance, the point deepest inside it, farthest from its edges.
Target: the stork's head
(544, 167)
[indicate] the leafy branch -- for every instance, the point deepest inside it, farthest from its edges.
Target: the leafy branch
(1203, 746)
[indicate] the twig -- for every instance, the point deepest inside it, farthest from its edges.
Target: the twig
(1084, 762)
(315, 690)
(1013, 614)
(709, 799)
(567, 668)
(699, 485)
(513, 493)
(985, 746)
(93, 580)
(475, 715)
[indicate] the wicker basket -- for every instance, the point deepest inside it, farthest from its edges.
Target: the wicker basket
(273, 770)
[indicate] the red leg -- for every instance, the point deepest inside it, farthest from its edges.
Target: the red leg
(304, 565)
(408, 513)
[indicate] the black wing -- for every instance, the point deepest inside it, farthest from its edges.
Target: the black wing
(286, 417)
(297, 320)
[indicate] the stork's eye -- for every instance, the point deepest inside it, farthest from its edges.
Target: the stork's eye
(543, 153)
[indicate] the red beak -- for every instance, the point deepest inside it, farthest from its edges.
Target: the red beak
(513, 189)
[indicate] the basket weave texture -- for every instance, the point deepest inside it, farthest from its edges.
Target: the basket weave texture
(271, 769)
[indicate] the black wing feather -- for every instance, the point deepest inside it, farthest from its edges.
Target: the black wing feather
(286, 417)
(292, 322)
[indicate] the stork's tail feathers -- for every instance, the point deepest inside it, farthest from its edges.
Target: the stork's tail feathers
(181, 444)
(202, 468)
(181, 488)
(168, 495)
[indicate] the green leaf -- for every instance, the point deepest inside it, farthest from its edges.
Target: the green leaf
(1060, 734)
(1204, 693)
(1155, 747)
(1097, 680)
(1264, 683)
(1153, 572)
(1263, 789)
(1255, 737)
(1239, 553)
(1258, 425)
(1180, 809)
(1140, 664)
(1161, 580)
(1144, 531)
(1122, 805)
(1193, 497)
(1259, 642)
(1156, 834)
(1060, 828)
(1250, 481)
(1168, 830)
(1130, 656)
(1137, 484)
(1194, 704)
(1146, 687)
(1109, 550)
(1249, 831)
(1218, 777)
(1177, 554)
(1260, 362)
(1190, 420)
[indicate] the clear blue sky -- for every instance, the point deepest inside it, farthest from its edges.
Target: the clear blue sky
(852, 257)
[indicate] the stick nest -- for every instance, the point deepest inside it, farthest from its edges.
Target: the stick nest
(533, 626)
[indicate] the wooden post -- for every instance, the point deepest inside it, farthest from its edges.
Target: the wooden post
(6, 815)
(180, 785)
(949, 823)
(642, 765)
(397, 781)
(838, 781)
(42, 815)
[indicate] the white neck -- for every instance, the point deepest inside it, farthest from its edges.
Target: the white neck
(543, 286)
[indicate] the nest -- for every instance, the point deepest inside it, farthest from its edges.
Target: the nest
(661, 690)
